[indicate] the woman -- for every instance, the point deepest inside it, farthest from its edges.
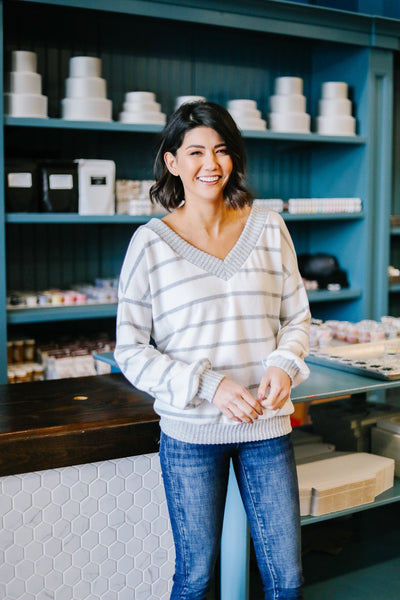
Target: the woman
(213, 322)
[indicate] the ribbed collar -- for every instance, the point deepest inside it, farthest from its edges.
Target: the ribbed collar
(224, 269)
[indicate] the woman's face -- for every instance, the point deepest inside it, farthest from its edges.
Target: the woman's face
(203, 165)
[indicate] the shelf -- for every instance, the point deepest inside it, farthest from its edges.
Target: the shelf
(39, 314)
(342, 216)
(394, 288)
(328, 296)
(395, 230)
(61, 313)
(120, 219)
(391, 495)
(90, 125)
(143, 128)
(75, 218)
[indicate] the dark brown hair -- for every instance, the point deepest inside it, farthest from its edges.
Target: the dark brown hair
(168, 189)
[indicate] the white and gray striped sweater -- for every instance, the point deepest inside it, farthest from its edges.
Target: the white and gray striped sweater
(211, 318)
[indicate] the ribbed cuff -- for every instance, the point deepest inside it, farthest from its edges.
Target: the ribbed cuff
(287, 365)
(209, 381)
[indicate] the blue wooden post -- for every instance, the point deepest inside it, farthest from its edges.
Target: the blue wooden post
(235, 545)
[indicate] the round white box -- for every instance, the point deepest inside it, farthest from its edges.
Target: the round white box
(86, 109)
(185, 99)
(85, 87)
(20, 82)
(242, 105)
(290, 122)
(334, 106)
(248, 123)
(25, 105)
(246, 113)
(148, 118)
(288, 85)
(291, 103)
(140, 97)
(336, 125)
(23, 60)
(84, 66)
(140, 106)
(334, 89)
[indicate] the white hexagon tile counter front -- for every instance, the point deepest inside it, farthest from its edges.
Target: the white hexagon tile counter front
(94, 531)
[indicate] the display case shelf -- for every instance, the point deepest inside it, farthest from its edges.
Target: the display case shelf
(39, 314)
(120, 219)
(391, 495)
(42, 314)
(148, 128)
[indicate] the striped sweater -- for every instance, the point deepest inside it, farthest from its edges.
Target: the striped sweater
(186, 319)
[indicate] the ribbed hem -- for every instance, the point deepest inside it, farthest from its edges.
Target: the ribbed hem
(262, 429)
(209, 381)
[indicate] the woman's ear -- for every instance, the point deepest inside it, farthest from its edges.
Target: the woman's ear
(170, 162)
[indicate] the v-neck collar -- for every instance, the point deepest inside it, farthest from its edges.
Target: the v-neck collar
(222, 268)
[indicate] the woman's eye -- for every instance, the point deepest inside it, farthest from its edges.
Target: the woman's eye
(222, 151)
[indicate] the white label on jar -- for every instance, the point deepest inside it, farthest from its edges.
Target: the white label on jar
(61, 182)
(98, 180)
(19, 180)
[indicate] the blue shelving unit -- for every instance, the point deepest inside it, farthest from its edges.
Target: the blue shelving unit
(56, 250)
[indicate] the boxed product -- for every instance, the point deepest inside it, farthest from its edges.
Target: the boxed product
(21, 183)
(96, 187)
(59, 190)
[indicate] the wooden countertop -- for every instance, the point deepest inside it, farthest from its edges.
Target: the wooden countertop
(49, 424)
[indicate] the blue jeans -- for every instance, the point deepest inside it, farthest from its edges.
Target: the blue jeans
(195, 480)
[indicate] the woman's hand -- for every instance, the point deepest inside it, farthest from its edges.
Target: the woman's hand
(274, 389)
(236, 402)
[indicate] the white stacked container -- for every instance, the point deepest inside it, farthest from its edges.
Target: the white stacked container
(246, 114)
(187, 99)
(141, 107)
(288, 106)
(24, 97)
(334, 110)
(85, 91)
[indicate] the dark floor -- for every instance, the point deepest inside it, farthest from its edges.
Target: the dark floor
(351, 558)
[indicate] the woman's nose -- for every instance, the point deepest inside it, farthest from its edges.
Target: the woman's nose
(211, 160)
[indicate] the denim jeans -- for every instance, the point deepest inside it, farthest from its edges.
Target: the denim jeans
(195, 480)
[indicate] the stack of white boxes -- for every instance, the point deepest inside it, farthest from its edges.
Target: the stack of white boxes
(246, 114)
(334, 110)
(24, 97)
(288, 107)
(85, 91)
(141, 107)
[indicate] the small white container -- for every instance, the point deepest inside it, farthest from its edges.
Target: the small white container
(86, 109)
(23, 60)
(288, 85)
(141, 106)
(140, 97)
(242, 105)
(293, 103)
(334, 89)
(25, 105)
(84, 66)
(246, 113)
(336, 125)
(328, 107)
(96, 181)
(20, 82)
(249, 123)
(150, 118)
(290, 122)
(85, 87)
(185, 99)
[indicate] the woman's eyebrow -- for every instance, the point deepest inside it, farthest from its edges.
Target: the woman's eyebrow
(200, 146)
